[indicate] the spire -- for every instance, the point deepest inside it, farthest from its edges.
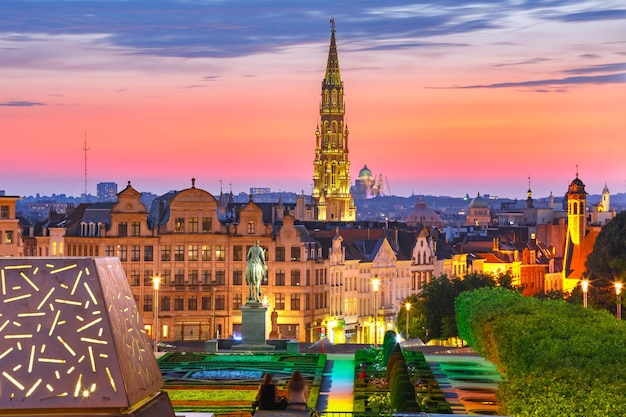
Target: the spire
(332, 66)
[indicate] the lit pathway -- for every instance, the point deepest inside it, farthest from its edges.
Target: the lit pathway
(337, 388)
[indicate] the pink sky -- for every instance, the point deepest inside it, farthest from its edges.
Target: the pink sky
(448, 112)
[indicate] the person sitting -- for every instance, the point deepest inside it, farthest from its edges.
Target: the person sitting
(267, 396)
(297, 392)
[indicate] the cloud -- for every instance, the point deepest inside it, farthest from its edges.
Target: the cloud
(524, 62)
(598, 68)
(598, 79)
(593, 15)
(21, 103)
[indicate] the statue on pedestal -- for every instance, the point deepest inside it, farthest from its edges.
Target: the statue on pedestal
(256, 272)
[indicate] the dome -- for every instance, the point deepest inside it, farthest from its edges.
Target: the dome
(421, 214)
(365, 172)
(478, 202)
(576, 186)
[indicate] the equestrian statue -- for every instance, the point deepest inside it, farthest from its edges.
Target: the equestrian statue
(256, 272)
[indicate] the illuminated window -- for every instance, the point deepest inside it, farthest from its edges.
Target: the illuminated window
(237, 301)
(250, 227)
(179, 225)
(280, 301)
(295, 254)
(122, 252)
(220, 253)
(192, 253)
(54, 245)
(295, 278)
(179, 253)
(193, 225)
(206, 252)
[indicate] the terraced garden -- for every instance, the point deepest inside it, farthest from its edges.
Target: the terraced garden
(227, 384)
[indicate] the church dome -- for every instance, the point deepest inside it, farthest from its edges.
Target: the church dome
(478, 202)
(421, 214)
(365, 172)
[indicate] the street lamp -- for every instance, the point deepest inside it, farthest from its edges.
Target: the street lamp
(156, 283)
(408, 307)
(618, 292)
(213, 305)
(585, 286)
(375, 284)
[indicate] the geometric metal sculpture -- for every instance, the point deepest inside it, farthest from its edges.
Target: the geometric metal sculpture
(72, 340)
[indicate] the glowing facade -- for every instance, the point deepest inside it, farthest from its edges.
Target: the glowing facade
(331, 167)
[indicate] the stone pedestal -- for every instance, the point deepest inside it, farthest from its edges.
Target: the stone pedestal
(253, 327)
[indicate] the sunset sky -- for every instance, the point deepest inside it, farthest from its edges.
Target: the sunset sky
(443, 97)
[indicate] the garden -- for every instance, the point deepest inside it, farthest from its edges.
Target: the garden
(227, 384)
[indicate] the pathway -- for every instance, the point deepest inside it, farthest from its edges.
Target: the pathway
(338, 383)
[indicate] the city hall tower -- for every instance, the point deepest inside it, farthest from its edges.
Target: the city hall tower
(331, 167)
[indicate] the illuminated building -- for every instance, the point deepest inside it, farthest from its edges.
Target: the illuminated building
(10, 232)
(365, 186)
(331, 166)
(478, 213)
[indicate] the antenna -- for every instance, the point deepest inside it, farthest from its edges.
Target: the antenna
(85, 149)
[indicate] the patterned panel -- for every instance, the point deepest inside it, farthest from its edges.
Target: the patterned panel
(71, 336)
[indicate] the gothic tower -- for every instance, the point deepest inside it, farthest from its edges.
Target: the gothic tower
(331, 167)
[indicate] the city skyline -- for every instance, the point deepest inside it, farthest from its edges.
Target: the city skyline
(450, 98)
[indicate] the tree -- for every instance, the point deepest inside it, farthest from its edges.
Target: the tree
(417, 319)
(606, 264)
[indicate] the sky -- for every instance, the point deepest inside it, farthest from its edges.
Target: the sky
(443, 97)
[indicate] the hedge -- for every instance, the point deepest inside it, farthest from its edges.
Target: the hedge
(556, 359)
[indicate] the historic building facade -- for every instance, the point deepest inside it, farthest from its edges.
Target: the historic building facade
(331, 166)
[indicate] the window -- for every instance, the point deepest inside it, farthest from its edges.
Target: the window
(220, 277)
(109, 250)
(179, 252)
(122, 252)
(179, 303)
(135, 229)
(206, 252)
(280, 301)
(134, 277)
(307, 301)
(280, 277)
(250, 227)
(193, 277)
(179, 277)
(206, 277)
(164, 303)
(122, 229)
(4, 212)
(237, 253)
(206, 224)
(206, 302)
(220, 253)
(238, 277)
(148, 277)
(220, 302)
(148, 253)
(166, 277)
(192, 303)
(166, 253)
(192, 253)
(308, 277)
(295, 278)
(193, 225)
(295, 254)
(295, 302)
(179, 225)
(135, 251)
(280, 253)
(147, 302)
(237, 301)
(8, 239)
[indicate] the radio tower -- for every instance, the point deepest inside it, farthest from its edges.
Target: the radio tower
(85, 149)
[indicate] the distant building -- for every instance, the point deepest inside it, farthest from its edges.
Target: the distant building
(106, 191)
(366, 186)
(259, 190)
(10, 232)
